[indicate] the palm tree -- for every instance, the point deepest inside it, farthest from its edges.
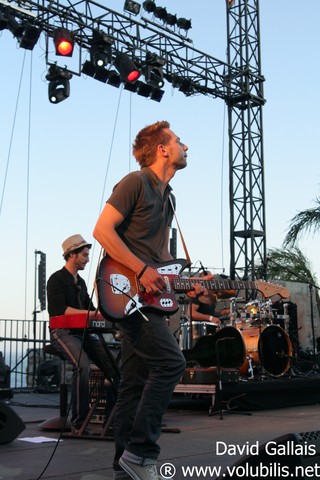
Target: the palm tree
(305, 221)
(291, 265)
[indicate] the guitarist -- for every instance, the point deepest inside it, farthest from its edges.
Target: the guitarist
(133, 229)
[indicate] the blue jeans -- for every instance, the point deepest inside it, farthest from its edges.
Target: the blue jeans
(151, 366)
(79, 350)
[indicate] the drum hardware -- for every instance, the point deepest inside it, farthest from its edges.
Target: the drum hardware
(250, 369)
(219, 391)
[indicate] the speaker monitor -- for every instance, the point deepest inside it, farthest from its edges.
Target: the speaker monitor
(11, 424)
(294, 455)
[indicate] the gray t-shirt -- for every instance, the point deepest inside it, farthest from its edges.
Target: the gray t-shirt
(147, 213)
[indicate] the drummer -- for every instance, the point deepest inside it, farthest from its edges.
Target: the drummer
(203, 308)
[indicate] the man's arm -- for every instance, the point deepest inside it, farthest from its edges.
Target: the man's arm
(105, 233)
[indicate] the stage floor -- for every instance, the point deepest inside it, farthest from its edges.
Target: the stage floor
(200, 441)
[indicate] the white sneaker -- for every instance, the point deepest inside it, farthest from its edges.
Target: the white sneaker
(140, 472)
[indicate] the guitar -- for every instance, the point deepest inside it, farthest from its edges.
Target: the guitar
(120, 294)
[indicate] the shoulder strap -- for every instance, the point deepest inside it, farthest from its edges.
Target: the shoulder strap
(180, 232)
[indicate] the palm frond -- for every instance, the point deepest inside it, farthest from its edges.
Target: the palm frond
(290, 264)
(304, 222)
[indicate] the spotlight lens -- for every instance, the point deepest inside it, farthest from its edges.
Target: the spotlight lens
(133, 76)
(65, 48)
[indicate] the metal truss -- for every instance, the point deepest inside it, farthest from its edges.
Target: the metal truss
(189, 69)
(246, 169)
(239, 82)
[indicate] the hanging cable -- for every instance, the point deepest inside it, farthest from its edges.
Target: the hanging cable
(12, 133)
(28, 189)
(107, 172)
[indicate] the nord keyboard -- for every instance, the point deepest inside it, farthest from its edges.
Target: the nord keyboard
(80, 320)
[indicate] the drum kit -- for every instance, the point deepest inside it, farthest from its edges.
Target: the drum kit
(248, 340)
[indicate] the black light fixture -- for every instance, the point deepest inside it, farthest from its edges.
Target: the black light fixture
(132, 7)
(127, 69)
(26, 34)
(15, 27)
(102, 74)
(184, 23)
(149, 6)
(101, 49)
(183, 84)
(153, 70)
(171, 19)
(161, 13)
(30, 36)
(3, 21)
(63, 42)
(59, 85)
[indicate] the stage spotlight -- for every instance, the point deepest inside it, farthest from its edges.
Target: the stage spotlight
(157, 95)
(153, 71)
(160, 12)
(102, 74)
(149, 6)
(114, 79)
(3, 22)
(183, 84)
(63, 41)
(171, 19)
(101, 50)
(15, 28)
(127, 69)
(30, 36)
(184, 23)
(132, 7)
(59, 85)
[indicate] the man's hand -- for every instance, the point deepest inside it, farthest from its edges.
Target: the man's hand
(152, 281)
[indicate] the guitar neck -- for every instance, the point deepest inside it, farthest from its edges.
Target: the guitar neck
(187, 284)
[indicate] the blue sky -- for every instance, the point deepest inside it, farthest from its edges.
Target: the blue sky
(61, 161)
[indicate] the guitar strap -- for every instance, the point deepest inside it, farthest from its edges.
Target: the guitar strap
(180, 233)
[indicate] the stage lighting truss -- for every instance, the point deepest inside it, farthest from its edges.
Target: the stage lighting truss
(59, 85)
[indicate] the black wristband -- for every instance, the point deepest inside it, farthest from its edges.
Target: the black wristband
(142, 271)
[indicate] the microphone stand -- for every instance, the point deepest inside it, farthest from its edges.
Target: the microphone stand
(311, 286)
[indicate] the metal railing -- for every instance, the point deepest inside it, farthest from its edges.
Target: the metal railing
(21, 345)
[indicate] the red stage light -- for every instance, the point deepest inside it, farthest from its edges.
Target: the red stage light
(133, 76)
(63, 42)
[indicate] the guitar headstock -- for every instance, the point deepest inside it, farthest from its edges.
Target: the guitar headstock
(269, 289)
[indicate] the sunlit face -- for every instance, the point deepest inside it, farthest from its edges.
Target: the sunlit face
(176, 151)
(81, 259)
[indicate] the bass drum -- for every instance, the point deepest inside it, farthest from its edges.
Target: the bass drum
(268, 347)
(225, 348)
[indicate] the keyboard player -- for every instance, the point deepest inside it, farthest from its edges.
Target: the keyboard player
(67, 295)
